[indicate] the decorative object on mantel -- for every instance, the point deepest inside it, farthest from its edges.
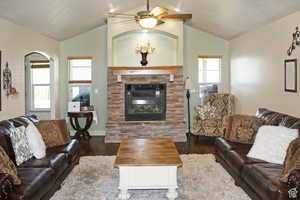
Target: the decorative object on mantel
(144, 50)
(295, 42)
(157, 70)
(290, 75)
(188, 87)
(7, 81)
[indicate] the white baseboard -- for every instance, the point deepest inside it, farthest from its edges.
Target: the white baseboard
(92, 133)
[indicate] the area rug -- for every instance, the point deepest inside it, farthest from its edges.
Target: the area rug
(201, 178)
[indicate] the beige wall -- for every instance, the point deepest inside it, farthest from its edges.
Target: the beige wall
(15, 43)
(257, 68)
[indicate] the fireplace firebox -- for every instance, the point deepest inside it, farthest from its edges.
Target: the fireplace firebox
(145, 102)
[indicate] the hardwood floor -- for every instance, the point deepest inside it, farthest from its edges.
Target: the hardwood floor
(96, 146)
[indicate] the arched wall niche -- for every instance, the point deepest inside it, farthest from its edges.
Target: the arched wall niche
(169, 34)
(165, 44)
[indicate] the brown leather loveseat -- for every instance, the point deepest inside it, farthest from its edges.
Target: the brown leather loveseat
(259, 179)
(40, 177)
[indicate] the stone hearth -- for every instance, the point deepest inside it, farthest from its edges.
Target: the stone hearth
(173, 127)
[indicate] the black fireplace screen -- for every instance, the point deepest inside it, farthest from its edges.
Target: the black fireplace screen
(145, 102)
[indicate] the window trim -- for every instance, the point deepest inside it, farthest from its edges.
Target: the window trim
(220, 70)
(69, 69)
(42, 64)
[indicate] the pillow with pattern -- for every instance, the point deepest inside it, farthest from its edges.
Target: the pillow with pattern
(54, 132)
(8, 167)
(20, 144)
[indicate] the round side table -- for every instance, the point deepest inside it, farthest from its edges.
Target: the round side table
(81, 132)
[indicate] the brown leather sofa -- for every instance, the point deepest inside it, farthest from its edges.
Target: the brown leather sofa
(259, 179)
(40, 177)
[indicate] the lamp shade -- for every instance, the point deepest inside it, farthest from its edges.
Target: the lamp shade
(148, 22)
(188, 84)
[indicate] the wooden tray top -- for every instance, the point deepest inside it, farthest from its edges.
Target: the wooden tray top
(147, 152)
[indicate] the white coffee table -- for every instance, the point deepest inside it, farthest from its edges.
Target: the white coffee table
(148, 164)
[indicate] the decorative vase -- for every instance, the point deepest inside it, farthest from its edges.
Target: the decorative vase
(144, 61)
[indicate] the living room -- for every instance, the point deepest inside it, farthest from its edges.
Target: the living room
(154, 99)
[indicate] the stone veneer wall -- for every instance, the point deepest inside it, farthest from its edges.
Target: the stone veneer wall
(173, 127)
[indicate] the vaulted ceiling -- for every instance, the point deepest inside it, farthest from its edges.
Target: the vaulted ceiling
(62, 19)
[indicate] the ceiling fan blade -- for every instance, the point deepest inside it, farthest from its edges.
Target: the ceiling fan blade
(121, 17)
(159, 22)
(124, 21)
(159, 11)
(119, 14)
(176, 16)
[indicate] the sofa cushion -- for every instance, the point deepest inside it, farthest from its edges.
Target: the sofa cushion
(292, 159)
(72, 149)
(264, 179)
(275, 118)
(20, 144)
(55, 161)
(242, 128)
(211, 126)
(54, 132)
(271, 143)
(24, 120)
(7, 166)
(238, 158)
(225, 145)
(35, 141)
(5, 141)
(35, 183)
(234, 154)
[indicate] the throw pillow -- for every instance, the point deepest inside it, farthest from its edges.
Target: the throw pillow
(241, 128)
(271, 143)
(20, 144)
(7, 166)
(292, 159)
(54, 132)
(35, 141)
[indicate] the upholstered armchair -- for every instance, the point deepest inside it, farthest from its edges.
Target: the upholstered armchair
(209, 117)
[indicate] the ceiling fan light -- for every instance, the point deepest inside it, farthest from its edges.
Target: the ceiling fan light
(148, 22)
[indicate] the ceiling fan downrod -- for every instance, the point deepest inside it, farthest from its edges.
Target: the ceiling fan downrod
(148, 6)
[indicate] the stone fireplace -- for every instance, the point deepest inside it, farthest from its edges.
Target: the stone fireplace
(145, 102)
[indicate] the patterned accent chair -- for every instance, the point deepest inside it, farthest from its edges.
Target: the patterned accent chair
(209, 117)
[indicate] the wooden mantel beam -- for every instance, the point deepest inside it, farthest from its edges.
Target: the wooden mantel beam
(154, 70)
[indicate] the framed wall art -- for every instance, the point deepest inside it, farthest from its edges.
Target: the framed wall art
(290, 75)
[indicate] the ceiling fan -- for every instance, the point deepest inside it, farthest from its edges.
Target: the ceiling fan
(150, 18)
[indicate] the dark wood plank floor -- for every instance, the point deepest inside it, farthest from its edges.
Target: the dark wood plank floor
(96, 146)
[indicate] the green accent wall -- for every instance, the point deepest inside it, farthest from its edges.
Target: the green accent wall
(93, 43)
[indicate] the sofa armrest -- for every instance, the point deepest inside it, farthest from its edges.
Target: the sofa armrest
(6, 185)
(241, 128)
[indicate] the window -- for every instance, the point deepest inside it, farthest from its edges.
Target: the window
(40, 82)
(209, 69)
(80, 79)
(209, 75)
